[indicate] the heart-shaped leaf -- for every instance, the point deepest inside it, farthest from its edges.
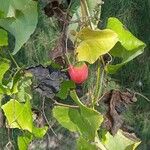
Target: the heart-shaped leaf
(95, 43)
(20, 19)
(121, 141)
(128, 47)
(84, 120)
(18, 115)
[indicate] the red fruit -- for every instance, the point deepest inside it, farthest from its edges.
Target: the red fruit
(78, 74)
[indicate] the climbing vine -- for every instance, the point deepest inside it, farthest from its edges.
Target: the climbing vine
(75, 78)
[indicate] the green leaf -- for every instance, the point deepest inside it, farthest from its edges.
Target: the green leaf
(95, 43)
(65, 87)
(4, 66)
(120, 141)
(4, 89)
(23, 141)
(12, 85)
(6, 9)
(24, 88)
(21, 21)
(1, 97)
(3, 38)
(39, 132)
(84, 120)
(20, 85)
(128, 47)
(1, 14)
(74, 120)
(62, 114)
(27, 137)
(18, 115)
(83, 144)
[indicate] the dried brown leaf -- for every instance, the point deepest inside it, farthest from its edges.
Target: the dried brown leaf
(117, 102)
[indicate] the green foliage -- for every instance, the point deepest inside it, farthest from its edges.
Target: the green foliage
(24, 141)
(20, 20)
(24, 90)
(83, 144)
(64, 117)
(4, 65)
(37, 48)
(84, 120)
(39, 132)
(18, 115)
(129, 46)
(3, 38)
(65, 87)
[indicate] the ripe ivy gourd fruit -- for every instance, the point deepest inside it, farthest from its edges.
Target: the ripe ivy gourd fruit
(78, 73)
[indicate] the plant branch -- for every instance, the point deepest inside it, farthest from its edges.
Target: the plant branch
(100, 79)
(65, 105)
(142, 96)
(86, 13)
(11, 56)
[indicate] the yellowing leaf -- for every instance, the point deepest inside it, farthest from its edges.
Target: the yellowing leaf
(121, 142)
(95, 43)
(18, 115)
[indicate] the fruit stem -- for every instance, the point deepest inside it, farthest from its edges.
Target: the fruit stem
(68, 61)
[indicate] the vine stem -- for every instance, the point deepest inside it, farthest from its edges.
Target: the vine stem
(142, 96)
(44, 115)
(76, 99)
(86, 12)
(65, 105)
(11, 56)
(99, 84)
(100, 74)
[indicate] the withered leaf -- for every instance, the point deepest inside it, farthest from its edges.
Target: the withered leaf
(117, 102)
